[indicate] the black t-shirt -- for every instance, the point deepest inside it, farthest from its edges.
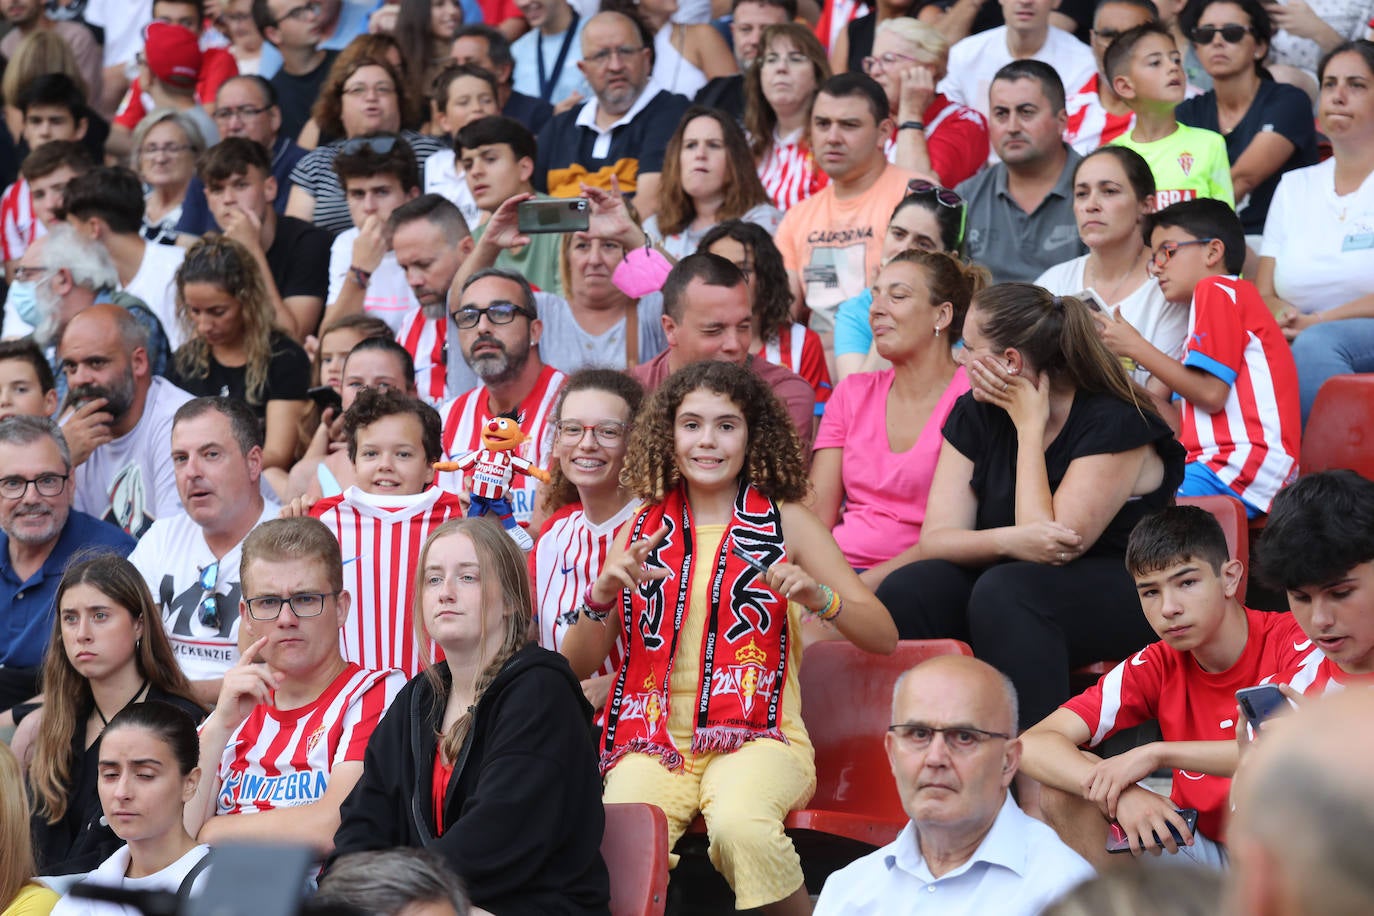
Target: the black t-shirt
(288, 377)
(1097, 424)
(725, 93)
(532, 112)
(296, 95)
(299, 258)
(1287, 111)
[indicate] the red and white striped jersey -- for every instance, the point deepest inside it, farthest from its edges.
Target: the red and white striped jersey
(789, 173)
(18, 226)
(1319, 675)
(1251, 444)
(1191, 704)
(380, 539)
(835, 16)
(463, 419)
(799, 348)
(1090, 125)
(425, 339)
(282, 758)
(566, 559)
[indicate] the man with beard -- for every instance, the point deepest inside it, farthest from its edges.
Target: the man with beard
(622, 131)
(430, 240)
(127, 480)
(498, 331)
(39, 533)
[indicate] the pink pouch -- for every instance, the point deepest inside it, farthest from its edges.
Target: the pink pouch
(641, 271)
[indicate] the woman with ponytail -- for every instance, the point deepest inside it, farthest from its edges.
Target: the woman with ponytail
(486, 758)
(1047, 464)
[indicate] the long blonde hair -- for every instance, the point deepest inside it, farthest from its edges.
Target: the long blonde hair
(505, 577)
(227, 265)
(16, 865)
(67, 693)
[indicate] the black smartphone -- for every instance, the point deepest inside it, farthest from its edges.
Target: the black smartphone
(325, 396)
(560, 215)
(1259, 703)
(1118, 842)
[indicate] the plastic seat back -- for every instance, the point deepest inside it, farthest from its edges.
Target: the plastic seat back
(1230, 514)
(1340, 428)
(635, 847)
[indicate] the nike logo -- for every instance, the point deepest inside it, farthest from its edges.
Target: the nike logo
(568, 570)
(1302, 646)
(1138, 658)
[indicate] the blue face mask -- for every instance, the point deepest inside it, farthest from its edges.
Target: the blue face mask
(23, 301)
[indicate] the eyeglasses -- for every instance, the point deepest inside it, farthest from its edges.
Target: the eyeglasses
(497, 313)
(603, 57)
(1232, 33)
(171, 149)
(945, 198)
(242, 112)
(607, 433)
(304, 11)
(24, 274)
(304, 604)
(381, 90)
(958, 738)
(890, 59)
(379, 145)
(1165, 252)
(209, 601)
(45, 484)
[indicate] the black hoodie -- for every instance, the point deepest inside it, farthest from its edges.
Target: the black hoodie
(522, 811)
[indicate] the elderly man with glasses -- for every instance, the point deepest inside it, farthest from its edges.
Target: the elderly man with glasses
(39, 534)
(967, 848)
(284, 745)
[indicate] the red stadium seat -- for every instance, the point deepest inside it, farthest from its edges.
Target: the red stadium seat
(635, 847)
(1340, 429)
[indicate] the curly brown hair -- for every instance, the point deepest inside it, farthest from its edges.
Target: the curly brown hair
(773, 462)
(328, 110)
(559, 491)
(373, 404)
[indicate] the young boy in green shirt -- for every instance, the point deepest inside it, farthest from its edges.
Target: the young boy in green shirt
(1146, 70)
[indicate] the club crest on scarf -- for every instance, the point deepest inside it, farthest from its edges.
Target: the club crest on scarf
(744, 643)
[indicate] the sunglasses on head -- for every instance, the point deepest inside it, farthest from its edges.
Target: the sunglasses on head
(209, 601)
(945, 198)
(1231, 33)
(379, 145)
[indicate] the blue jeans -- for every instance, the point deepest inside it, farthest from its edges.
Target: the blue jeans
(1331, 348)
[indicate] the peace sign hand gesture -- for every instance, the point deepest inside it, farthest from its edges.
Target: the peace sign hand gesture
(626, 567)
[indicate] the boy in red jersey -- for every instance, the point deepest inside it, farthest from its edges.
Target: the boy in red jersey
(1236, 387)
(1211, 646)
(382, 521)
(1318, 546)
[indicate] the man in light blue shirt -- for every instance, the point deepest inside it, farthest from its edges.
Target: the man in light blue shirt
(968, 849)
(546, 56)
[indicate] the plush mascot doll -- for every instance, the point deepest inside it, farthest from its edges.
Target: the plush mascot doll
(493, 467)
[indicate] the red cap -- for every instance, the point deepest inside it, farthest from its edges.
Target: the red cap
(172, 53)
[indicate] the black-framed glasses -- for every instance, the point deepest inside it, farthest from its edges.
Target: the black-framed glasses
(14, 487)
(961, 738)
(302, 604)
(209, 601)
(379, 145)
(497, 313)
(1232, 33)
(608, 432)
(243, 112)
(1166, 251)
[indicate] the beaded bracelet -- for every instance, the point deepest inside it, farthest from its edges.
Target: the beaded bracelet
(833, 604)
(596, 610)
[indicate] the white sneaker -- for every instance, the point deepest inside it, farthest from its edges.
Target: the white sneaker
(521, 537)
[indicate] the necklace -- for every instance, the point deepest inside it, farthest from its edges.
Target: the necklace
(132, 700)
(1111, 295)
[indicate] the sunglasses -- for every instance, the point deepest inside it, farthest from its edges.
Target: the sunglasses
(379, 145)
(945, 198)
(209, 601)
(1231, 33)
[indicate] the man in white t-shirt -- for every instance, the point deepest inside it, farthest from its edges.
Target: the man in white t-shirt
(127, 480)
(378, 174)
(191, 560)
(106, 205)
(1027, 35)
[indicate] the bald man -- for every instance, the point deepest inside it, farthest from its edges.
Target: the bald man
(122, 414)
(967, 848)
(1302, 835)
